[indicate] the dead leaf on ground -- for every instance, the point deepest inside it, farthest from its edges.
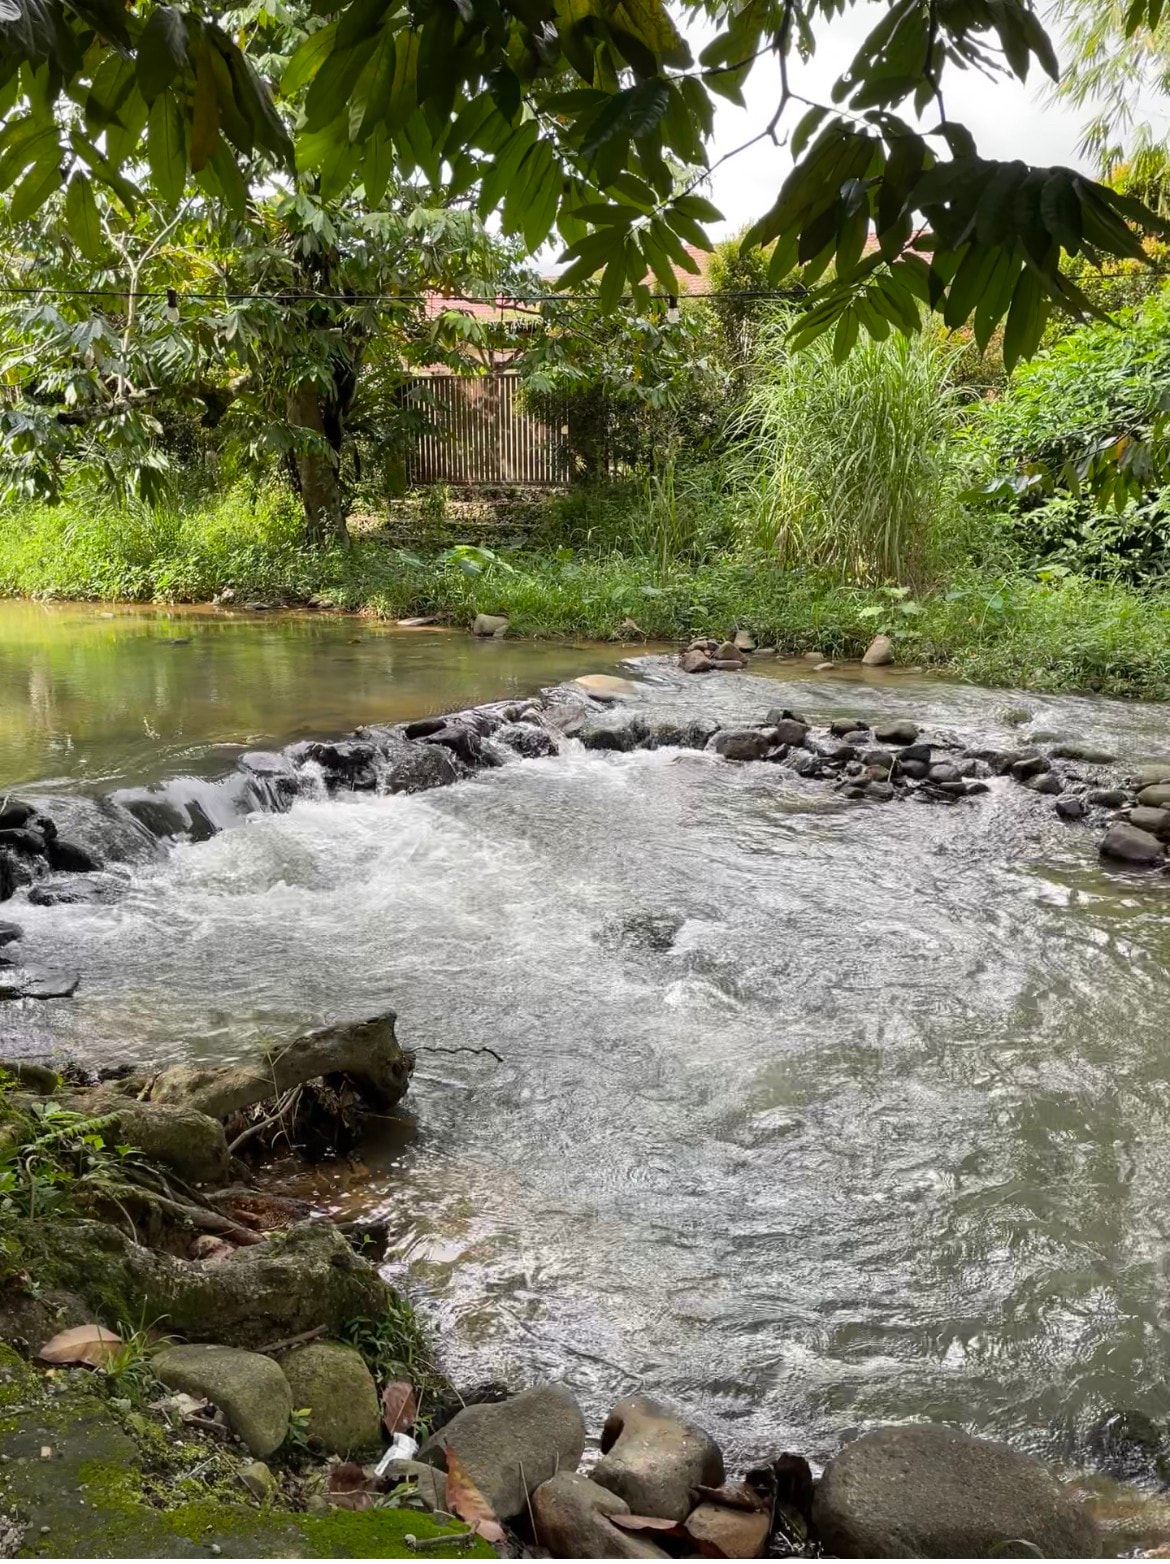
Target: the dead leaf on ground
(399, 1408)
(468, 1503)
(648, 1523)
(351, 1487)
(182, 1405)
(91, 1345)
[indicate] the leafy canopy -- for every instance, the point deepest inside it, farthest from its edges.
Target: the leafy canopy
(587, 118)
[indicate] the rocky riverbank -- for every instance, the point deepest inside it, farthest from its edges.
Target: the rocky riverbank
(262, 1363)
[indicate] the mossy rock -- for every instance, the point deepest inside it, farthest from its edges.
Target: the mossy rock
(337, 1389)
(87, 1498)
(295, 1281)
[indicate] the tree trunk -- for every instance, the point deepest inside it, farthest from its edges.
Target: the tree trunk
(317, 471)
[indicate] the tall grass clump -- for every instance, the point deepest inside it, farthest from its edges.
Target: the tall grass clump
(849, 468)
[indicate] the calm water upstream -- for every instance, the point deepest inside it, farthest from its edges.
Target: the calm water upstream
(884, 1133)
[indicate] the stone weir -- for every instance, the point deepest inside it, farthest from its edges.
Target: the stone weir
(77, 848)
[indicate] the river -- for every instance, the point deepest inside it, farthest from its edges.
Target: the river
(809, 1114)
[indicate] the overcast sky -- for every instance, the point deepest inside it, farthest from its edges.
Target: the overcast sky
(1008, 119)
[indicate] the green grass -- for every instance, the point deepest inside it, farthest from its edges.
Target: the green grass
(1002, 628)
(850, 467)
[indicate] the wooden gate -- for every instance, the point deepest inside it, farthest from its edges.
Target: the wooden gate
(481, 436)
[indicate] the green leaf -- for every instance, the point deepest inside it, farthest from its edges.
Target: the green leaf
(1025, 321)
(613, 280)
(333, 85)
(252, 98)
(162, 50)
(166, 148)
(308, 58)
(222, 178)
(544, 195)
(82, 220)
(696, 206)
(377, 164)
(631, 112)
(1061, 210)
(35, 189)
(204, 111)
(845, 336)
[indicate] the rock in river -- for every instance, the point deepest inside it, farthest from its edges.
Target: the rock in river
(250, 1390)
(1128, 844)
(741, 743)
(879, 653)
(926, 1491)
(1155, 797)
(510, 1448)
(489, 624)
(653, 1457)
(902, 732)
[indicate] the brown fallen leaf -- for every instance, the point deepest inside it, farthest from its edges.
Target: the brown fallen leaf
(399, 1408)
(648, 1523)
(351, 1487)
(91, 1345)
(466, 1501)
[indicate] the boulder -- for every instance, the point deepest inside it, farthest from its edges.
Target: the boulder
(36, 1078)
(786, 728)
(366, 1052)
(695, 661)
(722, 1532)
(1155, 821)
(653, 1457)
(70, 856)
(510, 1448)
(840, 726)
(925, 1491)
(1155, 797)
(527, 739)
(741, 743)
(606, 686)
(880, 791)
(900, 732)
(744, 641)
(1108, 797)
(824, 667)
(813, 656)
(73, 889)
(39, 983)
(1127, 844)
(1152, 772)
(879, 653)
(1070, 807)
(250, 1390)
(1030, 766)
(728, 654)
(571, 1516)
(300, 1279)
(14, 813)
(190, 1143)
(338, 1390)
(416, 768)
(489, 624)
(1087, 754)
(430, 1482)
(1046, 782)
(618, 736)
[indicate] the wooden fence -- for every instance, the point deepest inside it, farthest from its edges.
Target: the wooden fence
(481, 436)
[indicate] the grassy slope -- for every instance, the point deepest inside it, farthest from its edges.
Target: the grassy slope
(1068, 635)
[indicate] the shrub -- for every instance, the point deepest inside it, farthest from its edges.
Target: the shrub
(850, 467)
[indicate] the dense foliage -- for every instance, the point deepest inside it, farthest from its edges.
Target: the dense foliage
(1069, 413)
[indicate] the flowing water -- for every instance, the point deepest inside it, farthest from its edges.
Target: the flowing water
(809, 1113)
